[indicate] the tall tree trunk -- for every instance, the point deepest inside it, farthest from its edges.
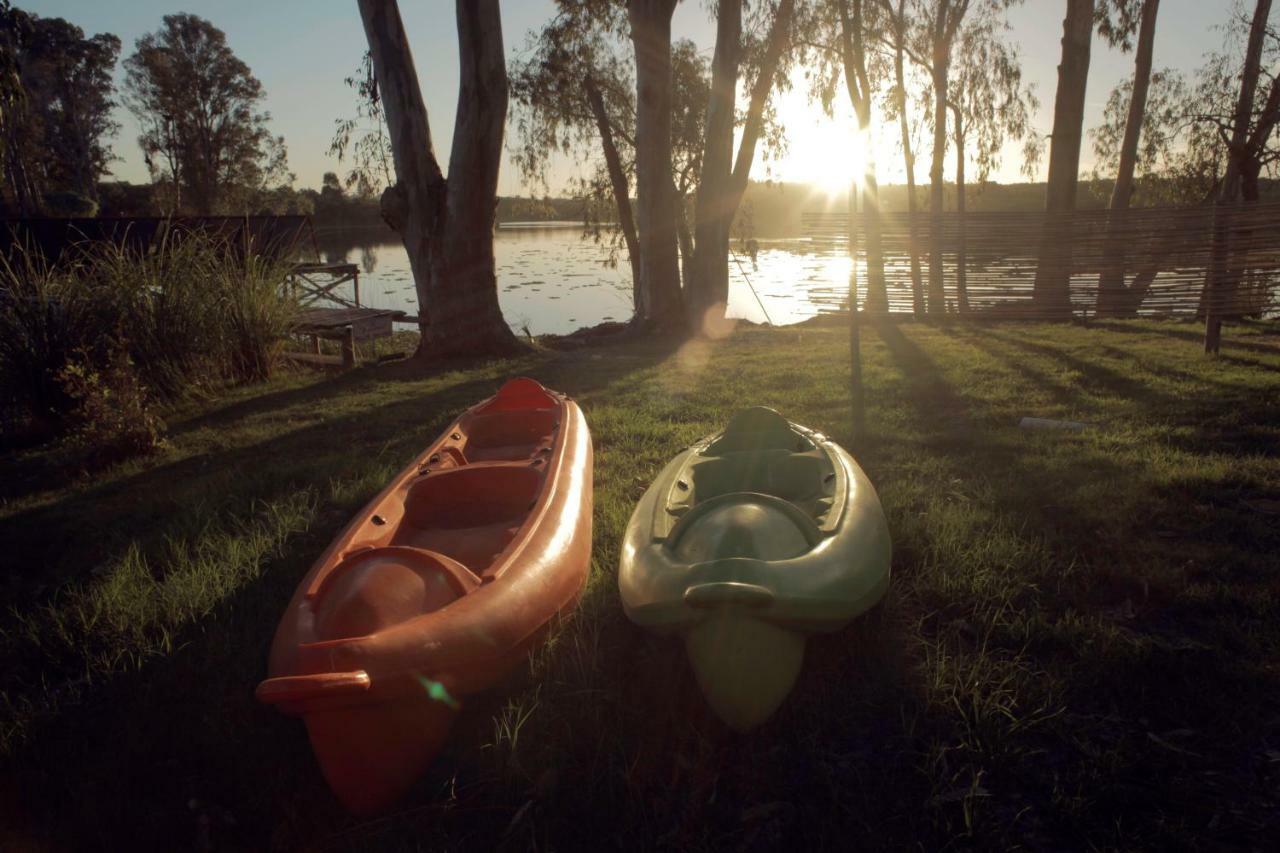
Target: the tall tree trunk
(858, 84)
(708, 285)
(1217, 283)
(660, 298)
(684, 237)
(877, 293)
(1111, 279)
(909, 164)
(617, 181)
(721, 188)
(447, 227)
(941, 60)
(1053, 273)
(962, 249)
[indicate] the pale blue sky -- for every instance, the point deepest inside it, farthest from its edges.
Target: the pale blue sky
(302, 49)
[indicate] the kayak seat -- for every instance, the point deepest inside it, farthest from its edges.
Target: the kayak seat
(755, 526)
(757, 430)
(520, 394)
(798, 478)
(508, 436)
(468, 514)
(381, 587)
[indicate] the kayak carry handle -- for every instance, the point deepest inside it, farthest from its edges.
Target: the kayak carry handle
(324, 685)
(728, 592)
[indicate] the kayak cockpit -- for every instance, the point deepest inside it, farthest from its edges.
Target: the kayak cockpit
(760, 453)
(469, 514)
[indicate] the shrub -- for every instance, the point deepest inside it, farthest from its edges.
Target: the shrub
(194, 311)
(111, 416)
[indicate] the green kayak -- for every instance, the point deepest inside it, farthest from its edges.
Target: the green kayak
(748, 542)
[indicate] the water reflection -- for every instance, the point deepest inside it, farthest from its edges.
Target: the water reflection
(553, 281)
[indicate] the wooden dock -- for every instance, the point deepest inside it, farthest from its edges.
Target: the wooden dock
(347, 325)
(319, 282)
(313, 283)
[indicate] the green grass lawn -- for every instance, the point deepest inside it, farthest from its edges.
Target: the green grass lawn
(1080, 647)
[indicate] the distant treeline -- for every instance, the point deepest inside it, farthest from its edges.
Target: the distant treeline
(769, 209)
(775, 209)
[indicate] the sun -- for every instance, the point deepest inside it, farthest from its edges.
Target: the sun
(826, 152)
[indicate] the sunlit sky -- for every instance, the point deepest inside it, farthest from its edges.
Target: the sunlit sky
(302, 50)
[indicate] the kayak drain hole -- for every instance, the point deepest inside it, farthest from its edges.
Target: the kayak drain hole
(379, 520)
(456, 436)
(683, 486)
(435, 457)
(829, 477)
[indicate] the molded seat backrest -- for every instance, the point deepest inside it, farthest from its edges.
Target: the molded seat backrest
(521, 394)
(757, 429)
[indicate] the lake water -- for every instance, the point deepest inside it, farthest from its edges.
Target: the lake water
(553, 281)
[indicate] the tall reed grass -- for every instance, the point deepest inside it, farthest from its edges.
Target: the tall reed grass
(190, 314)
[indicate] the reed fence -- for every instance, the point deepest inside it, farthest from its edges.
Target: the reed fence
(1144, 262)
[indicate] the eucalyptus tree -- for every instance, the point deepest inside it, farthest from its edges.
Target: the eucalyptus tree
(660, 299)
(1139, 16)
(989, 104)
(446, 224)
(840, 35)
(1249, 135)
(1162, 173)
(939, 24)
(928, 32)
(724, 175)
(57, 111)
(1187, 139)
(198, 105)
(1051, 290)
(897, 34)
(362, 140)
(574, 94)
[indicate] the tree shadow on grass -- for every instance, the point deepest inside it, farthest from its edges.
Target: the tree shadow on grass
(639, 762)
(1184, 332)
(1168, 667)
(1096, 375)
(84, 532)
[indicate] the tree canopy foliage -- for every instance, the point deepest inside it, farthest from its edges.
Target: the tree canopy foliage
(1189, 118)
(57, 119)
(204, 135)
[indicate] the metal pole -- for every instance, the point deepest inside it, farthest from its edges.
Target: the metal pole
(857, 396)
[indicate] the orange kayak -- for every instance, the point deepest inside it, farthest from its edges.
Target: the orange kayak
(438, 588)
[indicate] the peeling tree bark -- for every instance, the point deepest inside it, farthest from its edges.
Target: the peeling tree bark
(447, 225)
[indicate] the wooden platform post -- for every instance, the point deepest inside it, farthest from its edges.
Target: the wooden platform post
(348, 348)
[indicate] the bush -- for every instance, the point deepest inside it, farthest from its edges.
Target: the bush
(111, 416)
(187, 315)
